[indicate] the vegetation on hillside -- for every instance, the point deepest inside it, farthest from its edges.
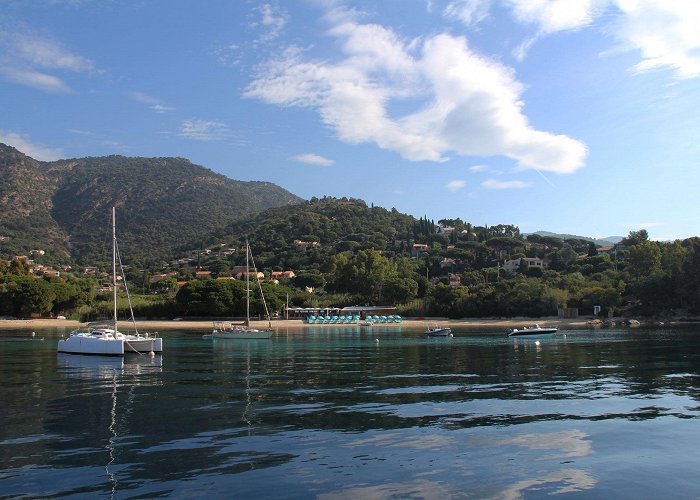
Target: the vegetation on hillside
(163, 204)
(341, 251)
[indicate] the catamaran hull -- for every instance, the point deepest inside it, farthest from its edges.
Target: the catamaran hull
(144, 344)
(263, 334)
(87, 345)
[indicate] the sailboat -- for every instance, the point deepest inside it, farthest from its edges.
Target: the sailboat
(110, 341)
(229, 331)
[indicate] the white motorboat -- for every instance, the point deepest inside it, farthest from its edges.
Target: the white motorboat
(110, 341)
(438, 331)
(227, 331)
(530, 330)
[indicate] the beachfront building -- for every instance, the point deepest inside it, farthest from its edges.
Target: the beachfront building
(362, 311)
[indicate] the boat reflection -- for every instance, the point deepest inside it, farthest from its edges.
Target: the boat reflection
(105, 367)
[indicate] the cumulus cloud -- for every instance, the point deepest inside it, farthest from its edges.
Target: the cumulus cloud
(313, 159)
(32, 60)
(467, 104)
(557, 15)
(496, 184)
(664, 32)
(23, 144)
(205, 130)
(455, 185)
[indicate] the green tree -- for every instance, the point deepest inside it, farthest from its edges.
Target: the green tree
(643, 259)
(27, 295)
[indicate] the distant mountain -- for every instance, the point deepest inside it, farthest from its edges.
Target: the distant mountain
(608, 241)
(163, 204)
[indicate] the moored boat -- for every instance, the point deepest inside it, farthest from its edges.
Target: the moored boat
(110, 341)
(228, 331)
(438, 331)
(530, 330)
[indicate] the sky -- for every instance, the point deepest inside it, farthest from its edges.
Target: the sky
(570, 116)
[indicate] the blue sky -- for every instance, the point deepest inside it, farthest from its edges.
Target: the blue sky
(575, 116)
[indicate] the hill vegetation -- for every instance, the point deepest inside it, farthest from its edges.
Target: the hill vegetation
(335, 252)
(164, 204)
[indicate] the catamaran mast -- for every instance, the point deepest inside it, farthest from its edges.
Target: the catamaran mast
(247, 285)
(114, 269)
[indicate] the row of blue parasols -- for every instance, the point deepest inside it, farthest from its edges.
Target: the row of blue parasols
(353, 319)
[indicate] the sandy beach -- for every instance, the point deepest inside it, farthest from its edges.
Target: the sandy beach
(282, 324)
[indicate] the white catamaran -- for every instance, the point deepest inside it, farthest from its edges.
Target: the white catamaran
(110, 341)
(225, 330)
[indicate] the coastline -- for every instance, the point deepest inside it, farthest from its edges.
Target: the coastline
(298, 324)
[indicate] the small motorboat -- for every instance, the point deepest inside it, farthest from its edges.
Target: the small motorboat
(438, 331)
(530, 330)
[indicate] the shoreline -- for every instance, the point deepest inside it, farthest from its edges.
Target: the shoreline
(298, 324)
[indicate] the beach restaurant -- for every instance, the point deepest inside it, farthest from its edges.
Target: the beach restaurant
(350, 311)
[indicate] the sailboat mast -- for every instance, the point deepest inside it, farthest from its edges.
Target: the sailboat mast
(114, 269)
(247, 285)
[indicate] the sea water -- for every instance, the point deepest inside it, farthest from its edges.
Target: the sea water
(345, 412)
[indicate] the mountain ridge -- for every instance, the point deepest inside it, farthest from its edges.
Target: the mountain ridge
(606, 241)
(163, 204)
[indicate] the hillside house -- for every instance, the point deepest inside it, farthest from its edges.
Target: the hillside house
(448, 263)
(158, 277)
(306, 245)
(202, 274)
(251, 275)
(282, 275)
(90, 270)
(512, 266)
(419, 248)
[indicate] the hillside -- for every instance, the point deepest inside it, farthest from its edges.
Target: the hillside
(336, 224)
(163, 204)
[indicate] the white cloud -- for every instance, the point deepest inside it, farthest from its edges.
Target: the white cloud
(313, 159)
(469, 12)
(665, 32)
(496, 184)
(23, 144)
(46, 53)
(36, 79)
(475, 169)
(205, 130)
(557, 15)
(552, 16)
(28, 59)
(273, 19)
(455, 185)
(468, 104)
(154, 103)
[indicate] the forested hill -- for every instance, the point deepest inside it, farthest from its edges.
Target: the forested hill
(336, 224)
(163, 204)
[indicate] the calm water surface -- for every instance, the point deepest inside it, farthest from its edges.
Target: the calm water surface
(333, 413)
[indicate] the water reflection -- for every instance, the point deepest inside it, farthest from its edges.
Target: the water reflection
(334, 414)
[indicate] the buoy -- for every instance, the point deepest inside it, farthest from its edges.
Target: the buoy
(33, 334)
(152, 354)
(537, 342)
(376, 340)
(451, 335)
